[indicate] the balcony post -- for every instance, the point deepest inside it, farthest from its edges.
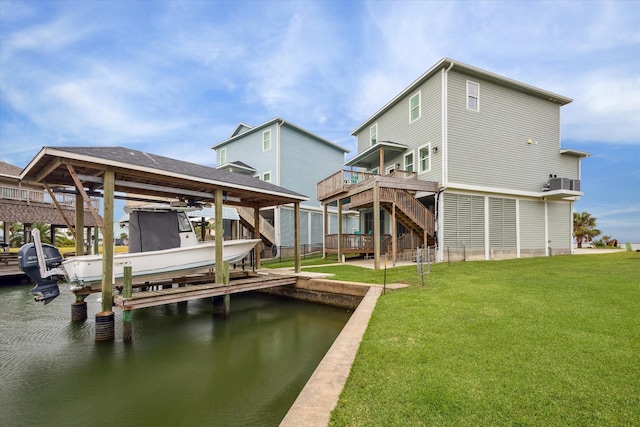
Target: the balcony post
(325, 230)
(394, 236)
(339, 230)
(296, 234)
(376, 225)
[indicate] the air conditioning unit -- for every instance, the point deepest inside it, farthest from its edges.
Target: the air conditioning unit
(575, 184)
(559, 184)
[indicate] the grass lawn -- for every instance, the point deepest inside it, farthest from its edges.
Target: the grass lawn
(537, 341)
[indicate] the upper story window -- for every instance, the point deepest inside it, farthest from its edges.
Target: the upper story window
(373, 134)
(375, 171)
(408, 162)
(424, 158)
(473, 96)
(414, 107)
(223, 156)
(266, 177)
(266, 140)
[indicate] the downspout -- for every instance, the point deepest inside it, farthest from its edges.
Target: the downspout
(445, 172)
(278, 150)
(278, 209)
(445, 126)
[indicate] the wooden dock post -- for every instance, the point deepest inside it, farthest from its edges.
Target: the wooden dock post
(225, 280)
(222, 303)
(105, 328)
(79, 309)
(127, 315)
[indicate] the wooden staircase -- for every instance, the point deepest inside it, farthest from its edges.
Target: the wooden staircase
(409, 211)
(267, 231)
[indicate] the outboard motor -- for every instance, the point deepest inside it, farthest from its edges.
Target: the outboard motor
(46, 288)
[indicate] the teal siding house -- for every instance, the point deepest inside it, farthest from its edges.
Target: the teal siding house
(289, 156)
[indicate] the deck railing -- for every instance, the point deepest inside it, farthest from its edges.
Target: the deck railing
(30, 195)
(402, 174)
(340, 182)
(356, 243)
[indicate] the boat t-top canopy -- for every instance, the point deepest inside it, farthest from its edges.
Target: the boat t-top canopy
(108, 172)
(141, 173)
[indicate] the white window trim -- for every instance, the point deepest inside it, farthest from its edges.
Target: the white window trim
(223, 156)
(267, 173)
(477, 98)
(375, 126)
(419, 95)
(404, 161)
(390, 169)
(419, 159)
(268, 131)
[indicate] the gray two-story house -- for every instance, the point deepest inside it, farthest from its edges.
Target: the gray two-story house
(287, 155)
(502, 184)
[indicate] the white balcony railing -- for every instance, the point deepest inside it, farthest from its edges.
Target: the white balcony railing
(30, 195)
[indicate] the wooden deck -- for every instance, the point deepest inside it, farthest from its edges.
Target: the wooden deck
(153, 298)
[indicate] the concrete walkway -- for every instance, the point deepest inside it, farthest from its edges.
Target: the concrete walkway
(583, 251)
(320, 395)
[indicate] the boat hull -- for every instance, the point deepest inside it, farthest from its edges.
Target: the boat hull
(86, 271)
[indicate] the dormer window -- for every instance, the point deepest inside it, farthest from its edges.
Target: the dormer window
(223, 156)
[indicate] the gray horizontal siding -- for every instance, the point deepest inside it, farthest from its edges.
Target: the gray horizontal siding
(489, 147)
(394, 126)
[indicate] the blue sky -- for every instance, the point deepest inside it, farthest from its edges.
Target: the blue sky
(174, 78)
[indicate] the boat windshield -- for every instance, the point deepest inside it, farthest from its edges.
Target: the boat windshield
(183, 222)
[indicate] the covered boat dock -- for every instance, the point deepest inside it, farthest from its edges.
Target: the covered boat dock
(123, 173)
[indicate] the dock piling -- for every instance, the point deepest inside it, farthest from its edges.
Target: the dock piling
(222, 303)
(127, 315)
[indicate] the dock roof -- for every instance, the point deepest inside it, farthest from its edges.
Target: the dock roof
(141, 173)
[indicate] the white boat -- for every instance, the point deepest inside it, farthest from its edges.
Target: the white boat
(162, 244)
(83, 271)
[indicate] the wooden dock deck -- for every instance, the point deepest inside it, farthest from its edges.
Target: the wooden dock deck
(151, 298)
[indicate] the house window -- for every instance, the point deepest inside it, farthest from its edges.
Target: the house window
(375, 171)
(424, 158)
(408, 162)
(473, 96)
(266, 177)
(373, 135)
(266, 140)
(223, 156)
(414, 107)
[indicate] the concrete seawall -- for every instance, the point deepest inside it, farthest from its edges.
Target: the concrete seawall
(320, 395)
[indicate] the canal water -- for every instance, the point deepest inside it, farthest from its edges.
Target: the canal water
(185, 367)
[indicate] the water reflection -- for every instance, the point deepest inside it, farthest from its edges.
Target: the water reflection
(184, 367)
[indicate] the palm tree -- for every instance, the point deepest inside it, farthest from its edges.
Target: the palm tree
(17, 233)
(584, 227)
